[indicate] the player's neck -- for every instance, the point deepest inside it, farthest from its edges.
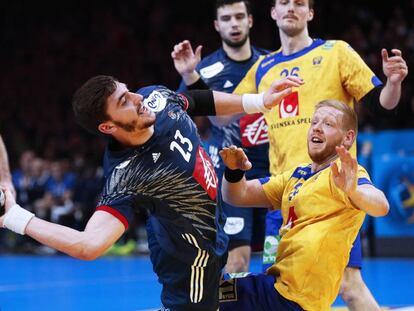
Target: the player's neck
(134, 139)
(293, 44)
(315, 167)
(238, 54)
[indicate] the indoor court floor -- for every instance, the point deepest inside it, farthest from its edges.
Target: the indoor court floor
(30, 283)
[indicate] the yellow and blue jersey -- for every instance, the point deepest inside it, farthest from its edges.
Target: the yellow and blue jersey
(319, 226)
(330, 70)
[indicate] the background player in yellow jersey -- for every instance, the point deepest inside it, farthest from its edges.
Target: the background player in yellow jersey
(323, 205)
(330, 69)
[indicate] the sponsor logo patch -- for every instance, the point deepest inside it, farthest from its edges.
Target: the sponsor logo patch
(228, 290)
(271, 244)
(212, 70)
(234, 225)
(289, 107)
(156, 156)
(253, 130)
(204, 173)
(155, 101)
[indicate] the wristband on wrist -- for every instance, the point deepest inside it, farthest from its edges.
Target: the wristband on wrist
(17, 218)
(233, 176)
(253, 103)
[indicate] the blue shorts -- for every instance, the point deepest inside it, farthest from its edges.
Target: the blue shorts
(274, 222)
(252, 292)
(186, 287)
(245, 226)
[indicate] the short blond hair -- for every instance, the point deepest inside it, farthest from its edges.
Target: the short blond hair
(349, 119)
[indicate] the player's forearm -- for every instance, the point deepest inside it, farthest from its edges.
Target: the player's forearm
(370, 199)
(66, 240)
(244, 193)
(390, 95)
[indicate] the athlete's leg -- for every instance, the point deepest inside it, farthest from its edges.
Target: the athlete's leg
(247, 292)
(353, 290)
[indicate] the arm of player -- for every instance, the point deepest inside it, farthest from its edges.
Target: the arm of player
(244, 193)
(395, 69)
(365, 197)
(251, 103)
(101, 232)
(186, 60)
(5, 176)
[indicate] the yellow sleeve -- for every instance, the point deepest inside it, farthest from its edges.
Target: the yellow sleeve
(275, 187)
(357, 78)
(248, 83)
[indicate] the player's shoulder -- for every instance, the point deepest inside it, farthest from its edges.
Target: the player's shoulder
(336, 44)
(303, 170)
(215, 56)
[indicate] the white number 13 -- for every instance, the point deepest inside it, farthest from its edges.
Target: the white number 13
(184, 143)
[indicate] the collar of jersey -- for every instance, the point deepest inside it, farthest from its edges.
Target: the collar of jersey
(279, 57)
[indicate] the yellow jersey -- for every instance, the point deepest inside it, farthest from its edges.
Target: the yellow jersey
(330, 70)
(319, 227)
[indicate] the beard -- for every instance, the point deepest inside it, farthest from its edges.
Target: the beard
(134, 126)
(235, 44)
(321, 156)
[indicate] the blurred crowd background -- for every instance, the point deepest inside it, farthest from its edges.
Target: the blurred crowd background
(49, 49)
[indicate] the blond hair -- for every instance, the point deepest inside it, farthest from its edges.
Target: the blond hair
(349, 118)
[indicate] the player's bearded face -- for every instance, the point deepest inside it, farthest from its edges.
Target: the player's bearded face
(325, 134)
(146, 119)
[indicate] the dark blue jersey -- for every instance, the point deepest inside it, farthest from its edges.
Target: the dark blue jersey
(221, 73)
(172, 177)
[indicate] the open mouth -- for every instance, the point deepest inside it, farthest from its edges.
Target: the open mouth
(143, 110)
(316, 140)
(235, 34)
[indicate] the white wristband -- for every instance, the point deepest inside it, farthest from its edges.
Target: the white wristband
(17, 218)
(253, 103)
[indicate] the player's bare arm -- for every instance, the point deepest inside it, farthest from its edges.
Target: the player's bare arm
(102, 230)
(243, 193)
(366, 197)
(186, 60)
(251, 103)
(395, 69)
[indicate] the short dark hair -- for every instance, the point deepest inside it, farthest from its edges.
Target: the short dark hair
(89, 102)
(221, 3)
(311, 3)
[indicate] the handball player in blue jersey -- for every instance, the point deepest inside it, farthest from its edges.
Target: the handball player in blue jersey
(154, 160)
(222, 70)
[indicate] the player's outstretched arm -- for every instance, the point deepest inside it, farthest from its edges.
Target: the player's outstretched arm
(365, 197)
(100, 233)
(236, 190)
(251, 103)
(395, 69)
(186, 60)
